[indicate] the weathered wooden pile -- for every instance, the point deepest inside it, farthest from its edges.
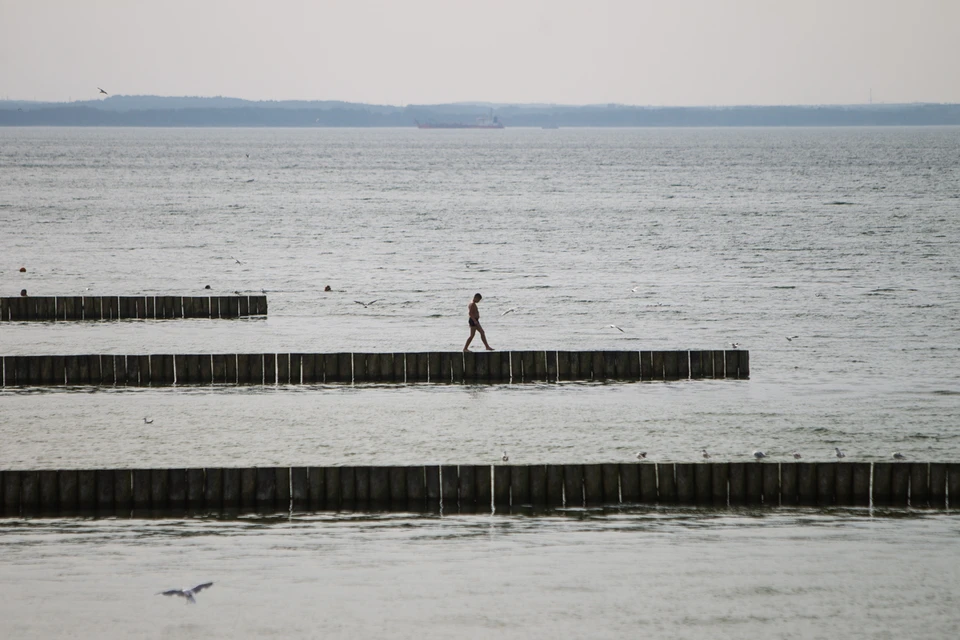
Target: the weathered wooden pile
(63, 308)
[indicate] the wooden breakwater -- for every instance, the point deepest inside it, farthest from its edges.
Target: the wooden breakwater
(33, 308)
(319, 368)
(477, 488)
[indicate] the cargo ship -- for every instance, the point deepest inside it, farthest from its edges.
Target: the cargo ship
(482, 122)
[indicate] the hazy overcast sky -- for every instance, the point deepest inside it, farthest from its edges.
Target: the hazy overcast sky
(663, 52)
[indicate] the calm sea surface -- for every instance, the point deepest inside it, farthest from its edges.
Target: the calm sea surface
(687, 239)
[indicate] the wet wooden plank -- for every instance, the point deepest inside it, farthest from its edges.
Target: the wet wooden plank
(449, 484)
(598, 366)
(266, 487)
(520, 484)
(30, 492)
(96, 372)
(578, 370)
(178, 488)
(919, 484)
(563, 365)
(671, 365)
(87, 489)
(843, 483)
(659, 364)
(142, 369)
(554, 484)
(416, 484)
(592, 484)
(861, 483)
(213, 482)
(248, 488)
(719, 481)
(718, 365)
(332, 487)
(737, 477)
(630, 482)
(807, 482)
(731, 364)
(122, 489)
(771, 483)
(501, 484)
(423, 366)
(938, 485)
(49, 495)
(269, 368)
(610, 478)
(573, 485)
(141, 489)
(255, 368)
(92, 307)
(537, 475)
(457, 367)
(317, 481)
(300, 486)
(789, 487)
(195, 488)
(308, 368)
(105, 481)
(754, 472)
(400, 367)
(470, 366)
(159, 489)
(344, 367)
(432, 473)
(684, 476)
(284, 488)
(703, 483)
(882, 483)
(11, 492)
(649, 489)
(483, 483)
(387, 485)
(494, 368)
(900, 484)
(468, 484)
(826, 483)
(743, 370)
(666, 482)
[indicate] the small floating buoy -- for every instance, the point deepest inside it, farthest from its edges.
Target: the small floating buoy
(23, 269)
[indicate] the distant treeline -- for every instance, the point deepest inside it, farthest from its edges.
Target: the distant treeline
(156, 111)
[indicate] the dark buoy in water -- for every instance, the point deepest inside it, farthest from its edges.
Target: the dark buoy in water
(207, 287)
(23, 293)
(327, 288)
(23, 269)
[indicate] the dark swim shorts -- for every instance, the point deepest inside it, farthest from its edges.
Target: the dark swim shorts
(473, 323)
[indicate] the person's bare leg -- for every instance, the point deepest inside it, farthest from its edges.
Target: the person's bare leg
(483, 336)
(473, 332)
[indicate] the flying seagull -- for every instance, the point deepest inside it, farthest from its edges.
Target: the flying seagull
(147, 421)
(759, 455)
(613, 326)
(735, 345)
(641, 455)
(235, 260)
(367, 304)
(505, 457)
(186, 593)
(840, 454)
(790, 338)
(899, 456)
(510, 310)
(103, 92)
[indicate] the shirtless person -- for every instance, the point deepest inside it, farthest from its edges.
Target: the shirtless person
(474, 314)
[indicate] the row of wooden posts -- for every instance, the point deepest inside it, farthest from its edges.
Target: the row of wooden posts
(478, 488)
(313, 368)
(31, 308)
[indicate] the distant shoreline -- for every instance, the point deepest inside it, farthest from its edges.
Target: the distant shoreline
(152, 111)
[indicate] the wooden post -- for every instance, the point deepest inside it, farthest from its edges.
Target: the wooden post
(30, 492)
(49, 496)
(649, 492)
(122, 489)
(953, 484)
(527, 366)
(666, 483)
(11, 492)
(718, 365)
(348, 486)
(827, 483)
(861, 483)
(332, 487)
(108, 375)
(266, 487)
(899, 484)
(204, 369)
(520, 484)
(432, 473)
(771, 483)
(270, 369)
(105, 479)
(686, 489)
(537, 475)
(592, 489)
(938, 485)
(141, 489)
(743, 371)
(423, 366)
(843, 480)
(243, 306)
(248, 488)
(468, 485)
(554, 485)
(470, 366)
(159, 489)
(317, 481)
(231, 488)
(444, 371)
(919, 484)
(719, 479)
(457, 367)
(598, 366)
(482, 487)
(882, 483)
(578, 370)
(213, 488)
(573, 485)
(300, 487)
(345, 367)
(416, 477)
(87, 489)
(92, 308)
(611, 482)
(296, 362)
(449, 485)
(400, 367)
(789, 492)
(630, 482)
(494, 369)
(194, 488)
(361, 479)
(754, 474)
(683, 360)
(142, 369)
(731, 364)
(738, 482)
(563, 365)
(255, 362)
(696, 365)
(386, 486)
(501, 485)
(703, 483)
(807, 482)
(621, 368)
(309, 373)
(551, 357)
(671, 365)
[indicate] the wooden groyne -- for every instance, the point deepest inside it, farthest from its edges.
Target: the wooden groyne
(34, 308)
(477, 488)
(159, 370)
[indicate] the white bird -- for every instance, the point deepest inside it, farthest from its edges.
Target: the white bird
(899, 456)
(641, 455)
(235, 260)
(613, 326)
(511, 310)
(505, 457)
(367, 304)
(735, 345)
(840, 454)
(796, 456)
(186, 593)
(759, 455)
(703, 452)
(790, 338)
(635, 289)
(147, 421)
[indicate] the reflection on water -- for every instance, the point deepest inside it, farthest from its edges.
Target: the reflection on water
(570, 573)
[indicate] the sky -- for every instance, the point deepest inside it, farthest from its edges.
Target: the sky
(638, 52)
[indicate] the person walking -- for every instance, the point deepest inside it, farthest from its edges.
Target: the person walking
(473, 314)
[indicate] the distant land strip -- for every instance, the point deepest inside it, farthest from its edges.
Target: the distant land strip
(158, 111)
